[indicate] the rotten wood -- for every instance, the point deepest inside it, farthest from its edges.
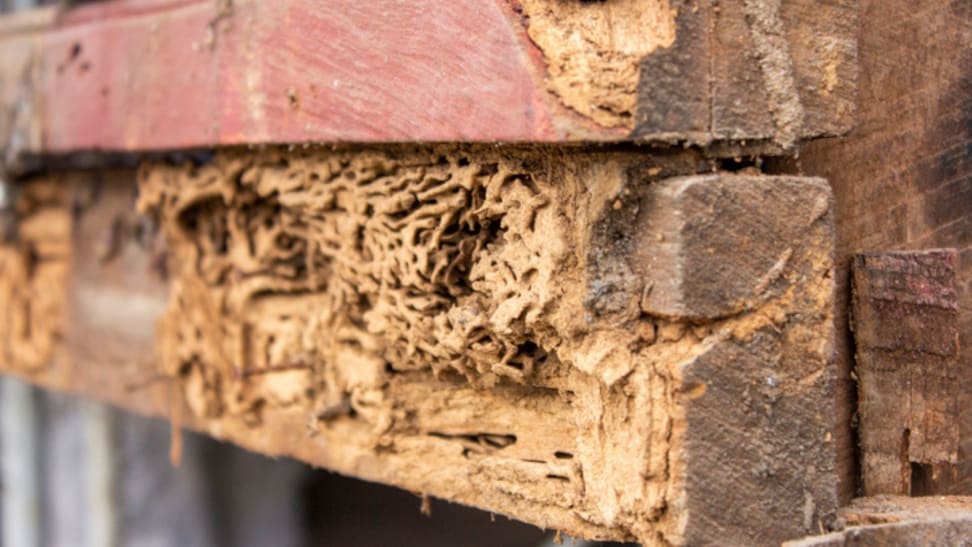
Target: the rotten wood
(469, 324)
(905, 324)
(200, 73)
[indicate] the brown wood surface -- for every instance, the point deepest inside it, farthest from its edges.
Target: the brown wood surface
(904, 316)
(903, 178)
(162, 74)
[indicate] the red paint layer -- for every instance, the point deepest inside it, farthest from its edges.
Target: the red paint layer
(156, 74)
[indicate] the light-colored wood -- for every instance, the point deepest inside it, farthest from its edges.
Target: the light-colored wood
(893, 521)
(465, 323)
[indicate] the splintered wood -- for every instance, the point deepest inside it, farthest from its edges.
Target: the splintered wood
(905, 323)
(588, 341)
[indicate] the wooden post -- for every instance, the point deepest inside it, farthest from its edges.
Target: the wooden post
(905, 323)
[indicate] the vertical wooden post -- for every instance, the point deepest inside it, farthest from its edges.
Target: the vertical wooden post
(905, 323)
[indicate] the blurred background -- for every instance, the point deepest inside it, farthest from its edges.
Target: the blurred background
(79, 473)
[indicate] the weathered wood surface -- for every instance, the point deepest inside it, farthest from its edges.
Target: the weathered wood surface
(471, 324)
(903, 178)
(168, 74)
(904, 317)
(890, 521)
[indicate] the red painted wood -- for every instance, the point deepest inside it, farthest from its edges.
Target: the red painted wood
(156, 74)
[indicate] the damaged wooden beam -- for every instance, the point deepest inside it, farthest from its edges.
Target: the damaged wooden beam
(905, 324)
(602, 343)
(204, 73)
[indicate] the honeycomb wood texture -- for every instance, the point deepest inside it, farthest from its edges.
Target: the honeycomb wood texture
(479, 324)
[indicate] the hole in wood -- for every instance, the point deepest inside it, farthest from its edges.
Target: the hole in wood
(922, 479)
(905, 459)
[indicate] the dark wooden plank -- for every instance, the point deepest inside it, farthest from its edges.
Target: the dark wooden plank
(784, 67)
(754, 70)
(905, 323)
(722, 248)
(676, 98)
(738, 82)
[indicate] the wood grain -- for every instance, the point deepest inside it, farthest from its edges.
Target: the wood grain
(162, 74)
(905, 322)
(903, 177)
(753, 70)
(308, 304)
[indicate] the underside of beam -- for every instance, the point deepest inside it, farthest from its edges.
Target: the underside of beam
(596, 342)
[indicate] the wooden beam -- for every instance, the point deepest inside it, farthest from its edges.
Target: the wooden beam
(468, 323)
(133, 75)
(895, 520)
